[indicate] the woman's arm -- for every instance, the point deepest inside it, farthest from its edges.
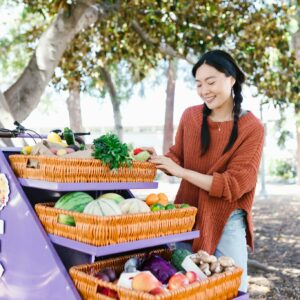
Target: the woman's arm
(239, 178)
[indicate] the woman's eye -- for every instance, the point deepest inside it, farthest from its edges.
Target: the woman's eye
(211, 83)
(198, 86)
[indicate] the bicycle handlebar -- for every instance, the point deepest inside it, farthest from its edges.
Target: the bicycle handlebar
(8, 134)
(20, 132)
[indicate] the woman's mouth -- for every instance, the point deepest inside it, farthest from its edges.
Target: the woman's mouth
(209, 99)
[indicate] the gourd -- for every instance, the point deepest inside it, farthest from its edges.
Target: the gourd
(103, 207)
(134, 206)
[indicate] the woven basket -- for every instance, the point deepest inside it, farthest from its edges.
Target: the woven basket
(58, 169)
(100, 231)
(221, 286)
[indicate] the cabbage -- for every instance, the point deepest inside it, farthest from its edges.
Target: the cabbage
(159, 267)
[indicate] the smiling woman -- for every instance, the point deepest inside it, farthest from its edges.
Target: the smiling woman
(214, 87)
(217, 153)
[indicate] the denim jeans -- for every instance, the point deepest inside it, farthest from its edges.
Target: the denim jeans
(233, 243)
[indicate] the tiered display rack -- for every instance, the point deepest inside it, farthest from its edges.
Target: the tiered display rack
(35, 263)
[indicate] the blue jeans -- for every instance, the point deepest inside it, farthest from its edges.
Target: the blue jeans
(233, 243)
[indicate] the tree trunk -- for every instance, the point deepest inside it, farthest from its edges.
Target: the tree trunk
(297, 116)
(168, 126)
(6, 119)
(24, 95)
(74, 107)
(296, 42)
(114, 101)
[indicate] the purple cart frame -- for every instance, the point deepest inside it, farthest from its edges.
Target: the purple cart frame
(35, 263)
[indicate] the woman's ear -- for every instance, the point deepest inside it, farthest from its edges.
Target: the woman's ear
(233, 80)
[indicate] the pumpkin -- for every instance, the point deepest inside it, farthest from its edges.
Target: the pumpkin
(134, 206)
(103, 207)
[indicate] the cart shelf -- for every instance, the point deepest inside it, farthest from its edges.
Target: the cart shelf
(122, 247)
(34, 261)
(101, 186)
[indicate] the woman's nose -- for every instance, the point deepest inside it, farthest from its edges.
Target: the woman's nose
(204, 91)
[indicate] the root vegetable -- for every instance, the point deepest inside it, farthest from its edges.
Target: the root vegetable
(216, 267)
(226, 261)
(205, 269)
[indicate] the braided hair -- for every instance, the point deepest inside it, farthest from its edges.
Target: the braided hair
(223, 62)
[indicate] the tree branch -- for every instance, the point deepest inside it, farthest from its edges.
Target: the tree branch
(163, 48)
(24, 95)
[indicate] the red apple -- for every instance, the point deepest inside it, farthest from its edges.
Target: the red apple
(177, 280)
(109, 293)
(137, 151)
(192, 276)
(157, 291)
(145, 281)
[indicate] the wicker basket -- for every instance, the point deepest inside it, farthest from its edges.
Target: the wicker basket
(100, 231)
(221, 286)
(58, 169)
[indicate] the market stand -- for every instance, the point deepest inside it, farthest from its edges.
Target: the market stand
(35, 264)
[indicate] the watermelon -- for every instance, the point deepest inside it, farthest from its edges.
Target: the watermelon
(103, 207)
(74, 201)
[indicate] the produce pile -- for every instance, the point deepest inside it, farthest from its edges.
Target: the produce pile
(156, 275)
(110, 204)
(107, 148)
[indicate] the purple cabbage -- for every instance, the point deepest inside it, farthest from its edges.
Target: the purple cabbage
(159, 267)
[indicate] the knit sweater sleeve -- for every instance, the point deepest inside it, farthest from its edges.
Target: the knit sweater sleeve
(176, 151)
(240, 176)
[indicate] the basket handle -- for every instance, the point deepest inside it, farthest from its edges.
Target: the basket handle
(61, 218)
(32, 163)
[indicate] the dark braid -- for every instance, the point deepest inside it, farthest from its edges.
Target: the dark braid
(223, 62)
(205, 135)
(237, 101)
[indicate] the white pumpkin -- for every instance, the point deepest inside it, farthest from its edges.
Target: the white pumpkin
(134, 206)
(103, 207)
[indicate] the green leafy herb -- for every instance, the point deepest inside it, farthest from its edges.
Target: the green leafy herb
(109, 149)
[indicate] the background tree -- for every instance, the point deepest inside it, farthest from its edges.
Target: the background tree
(143, 32)
(296, 45)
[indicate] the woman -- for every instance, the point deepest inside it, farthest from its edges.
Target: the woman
(217, 153)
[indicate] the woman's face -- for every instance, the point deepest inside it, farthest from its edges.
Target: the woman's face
(214, 87)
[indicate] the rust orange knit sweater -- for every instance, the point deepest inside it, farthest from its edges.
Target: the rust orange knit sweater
(234, 173)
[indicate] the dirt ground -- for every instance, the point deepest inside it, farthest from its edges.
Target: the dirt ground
(274, 271)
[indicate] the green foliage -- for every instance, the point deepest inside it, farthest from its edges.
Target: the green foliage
(19, 41)
(255, 32)
(109, 149)
(285, 169)
(281, 132)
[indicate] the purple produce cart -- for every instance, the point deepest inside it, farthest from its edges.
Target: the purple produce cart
(35, 264)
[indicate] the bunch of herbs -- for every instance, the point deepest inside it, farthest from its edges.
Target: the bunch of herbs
(111, 151)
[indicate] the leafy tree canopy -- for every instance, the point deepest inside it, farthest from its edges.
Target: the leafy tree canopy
(141, 33)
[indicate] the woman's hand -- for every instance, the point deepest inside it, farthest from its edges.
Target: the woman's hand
(167, 165)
